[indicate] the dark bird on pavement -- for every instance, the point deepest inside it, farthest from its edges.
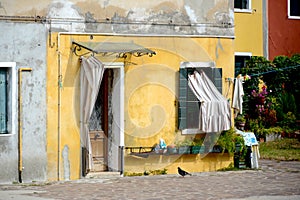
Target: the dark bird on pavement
(182, 172)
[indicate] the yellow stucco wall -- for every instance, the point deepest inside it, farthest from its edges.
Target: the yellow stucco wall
(189, 162)
(150, 91)
(249, 30)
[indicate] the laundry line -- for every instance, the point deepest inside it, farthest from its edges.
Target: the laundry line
(277, 70)
(261, 73)
(247, 77)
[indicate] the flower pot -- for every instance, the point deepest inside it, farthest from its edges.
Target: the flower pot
(171, 150)
(202, 149)
(196, 149)
(184, 150)
(240, 125)
(237, 147)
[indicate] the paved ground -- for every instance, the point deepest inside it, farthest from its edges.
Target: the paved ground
(275, 180)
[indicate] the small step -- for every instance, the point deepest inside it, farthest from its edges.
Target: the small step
(101, 175)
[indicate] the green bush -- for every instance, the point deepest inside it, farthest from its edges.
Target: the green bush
(282, 78)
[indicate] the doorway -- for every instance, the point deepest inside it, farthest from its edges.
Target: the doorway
(106, 123)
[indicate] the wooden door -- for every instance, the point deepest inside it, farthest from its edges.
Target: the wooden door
(99, 137)
(99, 151)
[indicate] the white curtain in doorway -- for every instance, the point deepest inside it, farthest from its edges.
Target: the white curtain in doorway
(215, 113)
(90, 79)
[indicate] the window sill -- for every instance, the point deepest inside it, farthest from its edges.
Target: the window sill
(237, 10)
(294, 17)
(6, 134)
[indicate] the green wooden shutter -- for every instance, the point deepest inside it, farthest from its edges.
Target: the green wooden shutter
(189, 106)
(183, 85)
(3, 100)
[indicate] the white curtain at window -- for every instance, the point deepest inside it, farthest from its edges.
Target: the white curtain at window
(90, 78)
(215, 114)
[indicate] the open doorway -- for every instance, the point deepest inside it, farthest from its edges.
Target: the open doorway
(106, 124)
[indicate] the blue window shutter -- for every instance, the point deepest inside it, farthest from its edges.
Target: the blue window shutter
(189, 106)
(3, 100)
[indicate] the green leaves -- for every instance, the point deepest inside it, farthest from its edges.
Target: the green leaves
(282, 75)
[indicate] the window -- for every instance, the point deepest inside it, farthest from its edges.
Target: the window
(3, 100)
(294, 9)
(189, 105)
(240, 61)
(242, 4)
(8, 100)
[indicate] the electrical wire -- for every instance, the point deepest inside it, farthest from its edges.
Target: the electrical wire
(277, 70)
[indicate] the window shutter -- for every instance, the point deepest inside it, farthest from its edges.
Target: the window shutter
(183, 85)
(3, 101)
(189, 106)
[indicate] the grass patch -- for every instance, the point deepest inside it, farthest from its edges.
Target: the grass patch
(229, 168)
(282, 149)
(146, 173)
(133, 174)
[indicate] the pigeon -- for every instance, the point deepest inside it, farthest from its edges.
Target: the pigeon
(182, 172)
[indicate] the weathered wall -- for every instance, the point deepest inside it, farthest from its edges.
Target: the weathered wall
(25, 44)
(182, 17)
(55, 143)
(249, 30)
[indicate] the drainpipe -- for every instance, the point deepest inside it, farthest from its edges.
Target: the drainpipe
(58, 116)
(59, 87)
(20, 114)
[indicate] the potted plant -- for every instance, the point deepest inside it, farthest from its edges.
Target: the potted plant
(240, 122)
(184, 147)
(171, 149)
(230, 141)
(197, 145)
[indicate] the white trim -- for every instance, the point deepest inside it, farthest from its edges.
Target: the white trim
(238, 10)
(197, 64)
(247, 10)
(289, 10)
(293, 17)
(242, 54)
(12, 123)
(191, 131)
(120, 66)
(116, 158)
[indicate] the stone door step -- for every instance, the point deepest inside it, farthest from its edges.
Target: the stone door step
(100, 175)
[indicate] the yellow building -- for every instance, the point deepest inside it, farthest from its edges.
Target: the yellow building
(148, 99)
(249, 17)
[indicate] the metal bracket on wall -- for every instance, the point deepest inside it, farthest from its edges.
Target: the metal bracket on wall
(122, 50)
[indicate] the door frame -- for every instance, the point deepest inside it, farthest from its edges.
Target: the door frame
(118, 155)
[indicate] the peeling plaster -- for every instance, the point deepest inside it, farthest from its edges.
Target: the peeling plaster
(65, 9)
(181, 17)
(193, 17)
(66, 163)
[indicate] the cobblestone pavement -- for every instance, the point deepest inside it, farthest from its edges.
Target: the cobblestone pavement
(275, 180)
